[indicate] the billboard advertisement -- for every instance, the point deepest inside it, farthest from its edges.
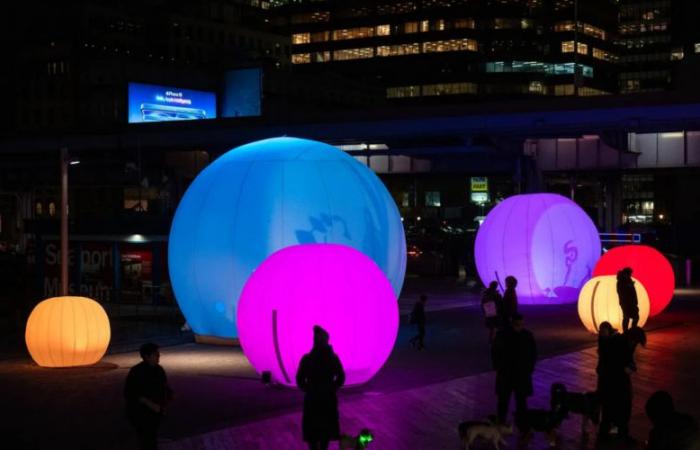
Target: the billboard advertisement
(242, 93)
(153, 103)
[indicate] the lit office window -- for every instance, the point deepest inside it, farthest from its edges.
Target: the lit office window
(301, 58)
(383, 30)
(568, 47)
(321, 57)
(450, 45)
(353, 53)
(464, 23)
(584, 28)
(398, 50)
(430, 90)
(320, 36)
(403, 92)
(301, 38)
(425, 25)
(536, 87)
(602, 54)
(410, 27)
(697, 47)
(432, 198)
(353, 33)
(677, 54)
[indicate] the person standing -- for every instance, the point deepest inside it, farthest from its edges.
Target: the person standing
(491, 305)
(615, 364)
(672, 430)
(514, 354)
(319, 376)
(147, 392)
(418, 319)
(628, 298)
(510, 299)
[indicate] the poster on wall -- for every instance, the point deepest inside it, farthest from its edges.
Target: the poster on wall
(153, 103)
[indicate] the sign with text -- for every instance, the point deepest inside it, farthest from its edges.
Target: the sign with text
(153, 103)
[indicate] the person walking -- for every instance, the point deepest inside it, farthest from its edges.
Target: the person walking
(147, 393)
(514, 354)
(615, 364)
(510, 299)
(628, 298)
(671, 430)
(492, 307)
(319, 376)
(418, 319)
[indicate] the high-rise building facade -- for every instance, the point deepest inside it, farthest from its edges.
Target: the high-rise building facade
(462, 49)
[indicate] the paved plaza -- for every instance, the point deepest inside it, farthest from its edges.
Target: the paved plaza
(415, 402)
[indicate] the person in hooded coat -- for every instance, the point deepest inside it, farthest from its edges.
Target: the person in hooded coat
(320, 375)
(628, 298)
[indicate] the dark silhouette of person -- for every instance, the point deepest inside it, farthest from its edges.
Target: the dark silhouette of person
(671, 430)
(320, 375)
(615, 364)
(635, 336)
(147, 393)
(492, 306)
(418, 319)
(514, 354)
(510, 299)
(628, 298)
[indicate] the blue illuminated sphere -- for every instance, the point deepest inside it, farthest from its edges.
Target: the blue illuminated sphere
(264, 196)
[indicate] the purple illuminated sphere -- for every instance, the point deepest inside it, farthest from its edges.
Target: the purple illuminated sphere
(546, 241)
(331, 285)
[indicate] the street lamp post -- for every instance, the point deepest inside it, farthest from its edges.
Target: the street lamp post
(577, 75)
(64, 221)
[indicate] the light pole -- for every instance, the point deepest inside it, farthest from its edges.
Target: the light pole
(65, 161)
(577, 76)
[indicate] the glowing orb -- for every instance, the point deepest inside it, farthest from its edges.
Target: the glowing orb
(330, 285)
(598, 302)
(262, 197)
(67, 331)
(648, 266)
(546, 241)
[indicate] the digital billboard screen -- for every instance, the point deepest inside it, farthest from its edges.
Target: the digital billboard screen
(153, 103)
(242, 93)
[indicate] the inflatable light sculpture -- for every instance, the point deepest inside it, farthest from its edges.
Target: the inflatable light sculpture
(648, 266)
(333, 286)
(546, 241)
(67, 331)
(265, 196)
(599, 302)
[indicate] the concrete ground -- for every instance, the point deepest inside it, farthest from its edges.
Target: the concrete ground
(217, 390)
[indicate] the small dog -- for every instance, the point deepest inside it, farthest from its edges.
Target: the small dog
(489, 431)
(544, 421)
(359, 442)
(586, 404)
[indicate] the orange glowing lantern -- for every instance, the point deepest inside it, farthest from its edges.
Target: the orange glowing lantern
(67, 331)
(598, 302)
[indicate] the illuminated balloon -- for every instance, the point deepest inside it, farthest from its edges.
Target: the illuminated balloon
(67, 331)
(262, 197)
(546, 241)
(648, 266)
(330, 285)
(598, 302)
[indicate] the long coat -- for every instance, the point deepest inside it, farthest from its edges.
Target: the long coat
(514, 354)
(320, 375)
(614, 383)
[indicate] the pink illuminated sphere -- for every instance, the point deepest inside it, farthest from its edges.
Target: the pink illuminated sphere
(649, 266)
(331, 285)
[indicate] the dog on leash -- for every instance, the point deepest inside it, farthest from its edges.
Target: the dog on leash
(359, 442)
(585, 404)
(488, 431)
(546, 421)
